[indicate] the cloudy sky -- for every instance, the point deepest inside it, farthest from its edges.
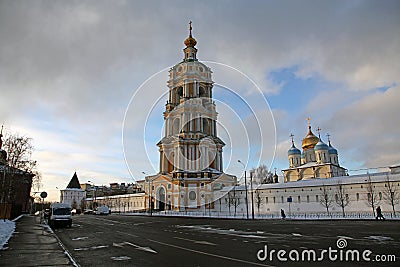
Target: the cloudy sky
(68, 70)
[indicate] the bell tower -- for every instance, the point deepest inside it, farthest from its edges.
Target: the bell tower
(190, 147)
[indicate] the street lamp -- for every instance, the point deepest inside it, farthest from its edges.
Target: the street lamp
(94, 194)
(251, 193)
(150, 193)
(245, 188)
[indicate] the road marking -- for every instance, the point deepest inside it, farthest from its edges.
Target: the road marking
(205, 243)
(91, 248)
(196, 241)
(120, 245)
(296, 234)
(121, 258)
(79, 238)
(127, 234)
(209, 254)
(147, 249)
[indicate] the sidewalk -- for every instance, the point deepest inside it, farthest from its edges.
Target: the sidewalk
(33, 244)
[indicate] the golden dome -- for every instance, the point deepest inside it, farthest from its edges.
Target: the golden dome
(190, 41)
(310, 141)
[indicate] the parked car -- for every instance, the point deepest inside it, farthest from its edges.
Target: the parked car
(103, 210)
(60, 215)
(88, 211)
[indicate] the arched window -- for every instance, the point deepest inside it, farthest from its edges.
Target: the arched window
(180, 92)
(202, 92)
(192, 195)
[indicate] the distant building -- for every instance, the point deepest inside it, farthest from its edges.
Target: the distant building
(120, 203)
(317, 160)
(306, 197)
(15, 188)
(73, 194)
(111, 190)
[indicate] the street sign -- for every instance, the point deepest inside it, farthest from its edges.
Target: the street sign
(289, 199)
(43, 194)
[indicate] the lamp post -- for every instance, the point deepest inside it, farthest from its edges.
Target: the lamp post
(94, 194)
(150, 195)
(245, 188)
(251, 193)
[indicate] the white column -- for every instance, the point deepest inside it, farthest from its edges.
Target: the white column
(176, 158)
(186, 157)
(197, 122)
(191, 123)
(161, 156)
(191, 157)
(220, 161)
(183, 122)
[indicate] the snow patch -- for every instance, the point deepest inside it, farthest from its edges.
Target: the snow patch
(6, 230)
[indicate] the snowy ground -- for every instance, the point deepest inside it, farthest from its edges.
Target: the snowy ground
(6, 229)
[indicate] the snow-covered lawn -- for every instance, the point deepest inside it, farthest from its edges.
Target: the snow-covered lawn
(6, 229)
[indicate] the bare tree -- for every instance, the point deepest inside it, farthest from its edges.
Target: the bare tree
(258, 199)
(391, 195)
(232, 201)
(19, 158)
(326, 198)
(235, 201)
(19, 152)
(82, 205)
(74, 204)
(261, 175)
(372, 196)
(341, 197)
(229, 202)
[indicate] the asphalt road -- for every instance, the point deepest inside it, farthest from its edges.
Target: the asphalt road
(118, 240)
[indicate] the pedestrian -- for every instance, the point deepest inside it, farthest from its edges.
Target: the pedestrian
(283, 215)
(379, 214)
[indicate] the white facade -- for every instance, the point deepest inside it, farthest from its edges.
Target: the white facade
(72, 196)
(121, 203)
(306, 195)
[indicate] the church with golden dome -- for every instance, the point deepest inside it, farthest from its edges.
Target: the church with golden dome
(317, 160)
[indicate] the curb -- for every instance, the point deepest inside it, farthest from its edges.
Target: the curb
(66, 251)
